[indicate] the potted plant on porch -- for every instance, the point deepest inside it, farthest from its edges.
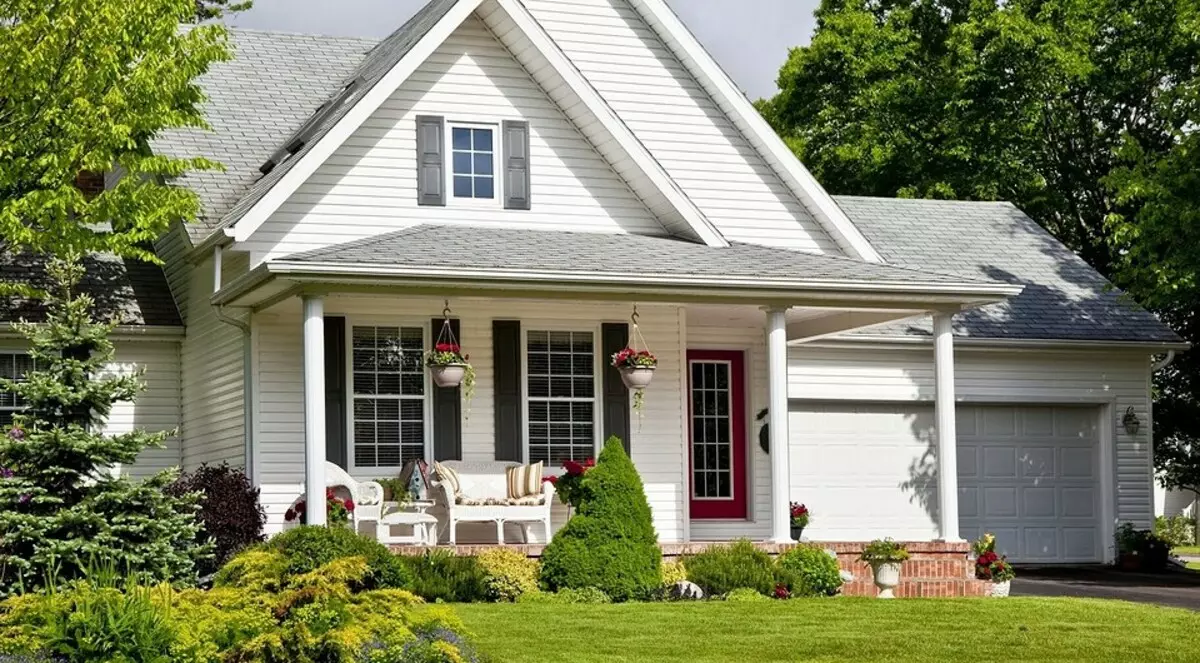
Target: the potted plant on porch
(885, 557)
(637, 370)
(991, 566)
(799, 520)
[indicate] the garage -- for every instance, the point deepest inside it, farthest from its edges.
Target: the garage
(1028, 473)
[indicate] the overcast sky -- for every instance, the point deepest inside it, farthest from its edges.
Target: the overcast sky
(750, 38)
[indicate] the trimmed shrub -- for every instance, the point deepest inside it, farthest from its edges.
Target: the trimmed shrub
(1176, 531)
(439, 575)
(306, 548)
(510, 574)
(230, 513)
(673, 572)
(723, 568)
(610, 544)
(810, 571)
(745, 595)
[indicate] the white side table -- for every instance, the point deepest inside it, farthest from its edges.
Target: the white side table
(409, 514)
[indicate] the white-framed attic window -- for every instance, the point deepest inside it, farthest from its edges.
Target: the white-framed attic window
(474, 151)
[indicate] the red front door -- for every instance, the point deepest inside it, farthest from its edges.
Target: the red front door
(717, 433)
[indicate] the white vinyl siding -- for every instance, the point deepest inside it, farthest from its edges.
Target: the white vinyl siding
(657, 438)
(213, 374)
(561, 410)
(389, 407)
(369, 185)
(680, 124)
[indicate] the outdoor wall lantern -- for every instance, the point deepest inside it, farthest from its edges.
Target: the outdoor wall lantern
(1131, 422)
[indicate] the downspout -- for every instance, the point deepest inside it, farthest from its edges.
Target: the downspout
(247, 372)
(1166, 361)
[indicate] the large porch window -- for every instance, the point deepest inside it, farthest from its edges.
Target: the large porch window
(389, 409)
(561, 395)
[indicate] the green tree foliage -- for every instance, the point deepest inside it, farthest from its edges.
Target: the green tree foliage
(208, 9)
(84, 87)
(610, 544)
(62, 507)
(1083, 113)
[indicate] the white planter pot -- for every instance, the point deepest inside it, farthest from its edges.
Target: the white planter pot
(1000, 590)
(448, 376)
(887, 577)
(637, 378)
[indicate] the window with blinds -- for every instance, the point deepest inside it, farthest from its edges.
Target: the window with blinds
(389, 396)
(14, 366)
(561, 386)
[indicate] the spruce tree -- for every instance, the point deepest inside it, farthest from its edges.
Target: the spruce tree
(63, 505)
(611, 543)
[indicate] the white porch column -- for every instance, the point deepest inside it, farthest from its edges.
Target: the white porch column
(947, 434)
(780, 439)
(314, 408)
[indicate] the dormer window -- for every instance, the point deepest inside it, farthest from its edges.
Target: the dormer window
(473, 161)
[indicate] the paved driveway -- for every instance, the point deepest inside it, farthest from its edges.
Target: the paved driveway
(1179, 589)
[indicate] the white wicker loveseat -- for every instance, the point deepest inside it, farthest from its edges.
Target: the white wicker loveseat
(483, 498)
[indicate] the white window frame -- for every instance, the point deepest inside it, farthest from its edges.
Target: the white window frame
(10, 352)
(427, 407)
(497, 183)
(733, 478)
(597, 399)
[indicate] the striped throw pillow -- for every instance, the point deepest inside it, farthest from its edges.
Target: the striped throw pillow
(449, 477)
(524, 481)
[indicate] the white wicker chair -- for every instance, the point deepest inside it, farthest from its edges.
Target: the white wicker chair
(367, 495)
(488, 480)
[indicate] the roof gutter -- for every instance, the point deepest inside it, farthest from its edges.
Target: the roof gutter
(1012, 343)
(1164, 362)
(247, 360)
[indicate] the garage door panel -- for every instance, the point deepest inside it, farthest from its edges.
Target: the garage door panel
(1048, 511)
(1037, 462)
(968, 502)
(968, 461)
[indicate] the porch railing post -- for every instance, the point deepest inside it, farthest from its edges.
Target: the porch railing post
(947, 433)
(314, 408)
(777, 369)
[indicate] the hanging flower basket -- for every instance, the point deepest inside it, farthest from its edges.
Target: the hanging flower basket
(449, 367)
(637, 371)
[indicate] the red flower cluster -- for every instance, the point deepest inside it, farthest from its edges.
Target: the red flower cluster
(987, 559)
(799, 510)
(578, 469)
(335, 505)
(448, 347)
(781, 592)
(630, 358)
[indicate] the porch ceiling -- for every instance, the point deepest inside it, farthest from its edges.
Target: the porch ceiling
(506, 262)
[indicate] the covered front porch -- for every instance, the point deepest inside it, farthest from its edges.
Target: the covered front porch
(539, 340)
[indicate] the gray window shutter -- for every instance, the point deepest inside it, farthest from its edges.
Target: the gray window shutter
(506, 355)
(516, 165)
(613, 339)
(447, 409)
(431, 160)
(336, 394)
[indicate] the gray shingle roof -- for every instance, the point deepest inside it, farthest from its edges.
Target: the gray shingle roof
(272, 88)
(1064, 298)
(132, 291)
(478, 247)
(255, 103)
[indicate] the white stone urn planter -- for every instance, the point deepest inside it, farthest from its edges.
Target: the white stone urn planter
(887, 578)
(637, 377)
(448, 376)
(999, 590)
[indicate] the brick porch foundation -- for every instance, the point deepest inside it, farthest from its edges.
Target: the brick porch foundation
(934, 570)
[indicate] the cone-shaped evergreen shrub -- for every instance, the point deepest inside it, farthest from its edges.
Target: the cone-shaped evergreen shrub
(62, 507)
(610, 544)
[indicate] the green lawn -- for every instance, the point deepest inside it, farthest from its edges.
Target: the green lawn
(1187, 550)
(840, 629)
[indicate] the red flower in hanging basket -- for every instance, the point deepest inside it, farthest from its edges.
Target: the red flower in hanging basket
(630, 358)
(444, 354)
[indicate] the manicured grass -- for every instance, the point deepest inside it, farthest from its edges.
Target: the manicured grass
(840, 629)
(1187, 550)
(1195, 566)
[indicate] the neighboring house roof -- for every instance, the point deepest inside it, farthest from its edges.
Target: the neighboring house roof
(256, 102)
(514, 250)
(133, 292)
(1063, 299)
